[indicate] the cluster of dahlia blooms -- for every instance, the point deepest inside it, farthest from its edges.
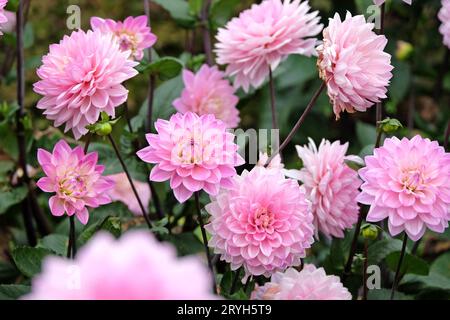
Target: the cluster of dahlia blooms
(263, 36)
(353, 64)
(309, 284)
(135, 267)
(444, 16)
(76, 180)
(330, 185)
(207, 92)
(193, 152)
(133, 34)
(3, 18)
(263, 222)
(408, 182)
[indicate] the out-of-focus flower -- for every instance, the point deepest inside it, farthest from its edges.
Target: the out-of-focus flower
(193, 152)
(3, 18)
(75, 178)
(122, 192)
(207, 92)
(353, 64)
(275, 163)
(133, 34)
(81, 77)
(408, 182)
(262, 223)
(10, 24)
(444, 16)
(135, 267)
(330, 185)
(380, 2)
(309, 284)
(404, 50)
(263, 36)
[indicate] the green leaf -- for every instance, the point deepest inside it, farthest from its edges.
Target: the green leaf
(28, 36)
(7, 272)
(13, 291)
(55, 242)
(381, 249)
(400, 81)
(186, 243)
(12, 197)
(179, 10)
(165, 68)
(222, 11)
(28, 260)
(385, 294)
(111, 224)
(366, 133)
(410, 264)
(441, 265)
(295, 71)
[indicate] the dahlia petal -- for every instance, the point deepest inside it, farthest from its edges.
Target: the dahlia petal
(56, 206)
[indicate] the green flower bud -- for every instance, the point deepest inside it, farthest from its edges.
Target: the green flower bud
(369, 231)
(389, 125)
(103, 129)
(404, 50)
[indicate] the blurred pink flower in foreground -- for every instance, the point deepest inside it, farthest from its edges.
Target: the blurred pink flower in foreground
(444, 16)
(353, 64)
(135, 267)
(76, 178)
(207, 92)
(122, 192)
(330, 185)
(81, 77)
(133, 34)
(193, 152)
(408, 182)
(380, 2)
(3, 18)
(263, 36)
(309, 284)
(275, 164)
(262, 223)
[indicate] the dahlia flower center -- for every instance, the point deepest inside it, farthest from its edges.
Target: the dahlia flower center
(412, 179)
(127, 41)
(189, 150)
(73, 185)
(263, 219)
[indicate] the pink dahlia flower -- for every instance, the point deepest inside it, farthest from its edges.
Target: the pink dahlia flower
(134, 35)
(3, 18)
(81, 77)
(135, 267)
(193, 152)
(408, 182)
(262, 223)
(309, 284)
(330, 185)
(207, 92)
(275, 164)
(122, 192)
(353, 64)
(264, 35)
(380, 2)
(444, 16)
(75, 178)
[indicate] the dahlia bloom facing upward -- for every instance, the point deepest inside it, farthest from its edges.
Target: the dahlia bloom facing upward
(408, 182)
(444, 16)
(380, 2)
(353, 64)
(75, 178)
(193, 152)
(81, 77)
(330, 185)
(264, 35)
(135, 267)
(133, 35)
(3, 18)
(207, 92)
(262, 223)
(309, 284)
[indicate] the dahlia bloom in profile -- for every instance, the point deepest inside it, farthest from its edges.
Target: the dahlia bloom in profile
(133, 34)
(208, 92)
(309, 284)
(444, 16)
(81, 77)
(76, 179)
(380, 2)
(193, 152)
(330, 185)
(3, 18)
(135, 267)
(262, 223)
(408, 182)
(122, 192)
(353, 64)
(263, 36)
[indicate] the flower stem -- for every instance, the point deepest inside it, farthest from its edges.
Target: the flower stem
(130, 180)
(205, 31)
(378, 141)
(205, 239)
(272, 100)
(72, 247)
(366, 263)
(399, 265)
(447, 135)
(299, 123)
(348, 265)
(235, 281)
(379, 105)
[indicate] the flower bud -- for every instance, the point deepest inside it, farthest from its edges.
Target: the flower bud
(404, 50)
(103, 129)
(369, 231)
(389, 125)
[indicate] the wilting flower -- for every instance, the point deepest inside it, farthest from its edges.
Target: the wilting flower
(3, 18)
(135, 267)
(380, 2)
(194, 152)
(207, 92)
(263, 36)
(444, 16)
(262, 223)
(309, 284)
(330, 185)
(122, 192)
(134, 35)
(408, 182)
(76, 179)
(353, 64)
(81, 77)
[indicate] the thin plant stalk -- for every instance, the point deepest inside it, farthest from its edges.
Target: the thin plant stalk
(272, 100)
(379, 105)
(349, 263)
(399, 265)
(237, 274)
(206, 32)
(366, 264)
(72, 248)
(447, 135)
